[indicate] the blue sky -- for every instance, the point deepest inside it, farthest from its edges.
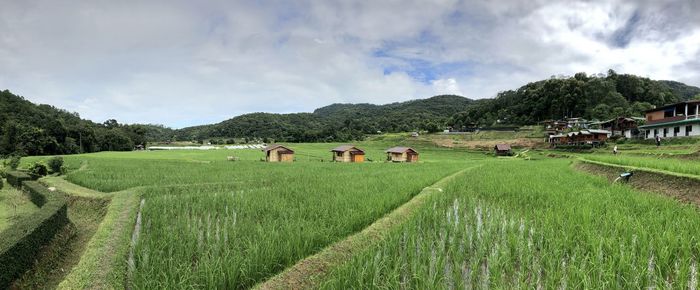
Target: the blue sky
(182, 63)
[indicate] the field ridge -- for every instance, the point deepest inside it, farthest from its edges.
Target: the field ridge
(309, 272)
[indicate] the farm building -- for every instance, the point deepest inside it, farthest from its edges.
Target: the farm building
(503, 150)
(401, 154)
(278, 153)
(676, 120)
(583, 137)
(348, 153)
(621, 126)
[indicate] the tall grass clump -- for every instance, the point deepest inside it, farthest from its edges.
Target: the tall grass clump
(534, 225)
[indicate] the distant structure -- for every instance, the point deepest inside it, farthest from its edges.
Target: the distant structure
(348, 153)
(584, 137)
(401, 154)
(503, 150)
(622, 126)
(676, 120)
(415, 134)
(278, 153)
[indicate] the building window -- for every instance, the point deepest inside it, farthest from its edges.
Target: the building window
(676, 130)
(692, 110)
(656, 132)
(665, 132)
(688, 129)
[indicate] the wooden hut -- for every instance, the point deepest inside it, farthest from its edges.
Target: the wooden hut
(401, 154)
(503, 150)
(348, 153)
(278, 153)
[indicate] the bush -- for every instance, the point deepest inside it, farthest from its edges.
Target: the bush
(20, 243)
(13, 162)
(1, 183)
(55, 164)
(38, 169)
(15, 178)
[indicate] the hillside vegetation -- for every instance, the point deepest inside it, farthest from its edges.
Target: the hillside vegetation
(592, 97)
(30, 129)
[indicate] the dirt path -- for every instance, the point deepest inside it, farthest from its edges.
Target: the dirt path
(310, 271)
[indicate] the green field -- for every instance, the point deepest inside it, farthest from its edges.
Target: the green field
(539, 225)
(682, 166)
(14, 205)
(206, 222)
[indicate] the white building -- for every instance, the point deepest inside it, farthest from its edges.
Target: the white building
(672, 121)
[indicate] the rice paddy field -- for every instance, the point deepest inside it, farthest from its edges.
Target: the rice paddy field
(677, 165)
(505, 223)
(540, 225)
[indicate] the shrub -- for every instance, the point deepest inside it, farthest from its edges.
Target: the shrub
(1, 183)
(38, 169)
(13, 162)
(20, 243)
(15, 178)
(55, 164)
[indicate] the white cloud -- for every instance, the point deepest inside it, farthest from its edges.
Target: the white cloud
(182, 63)
(446, 86)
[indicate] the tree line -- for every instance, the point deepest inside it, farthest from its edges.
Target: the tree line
(30, 129)
(598, 97)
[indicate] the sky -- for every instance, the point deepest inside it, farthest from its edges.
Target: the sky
(181, 63)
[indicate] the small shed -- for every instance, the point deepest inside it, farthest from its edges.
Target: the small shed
(278, 153)
(503, 150)
(401, 154)
(348, 153)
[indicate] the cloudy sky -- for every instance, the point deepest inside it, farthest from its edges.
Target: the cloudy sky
(182, 63)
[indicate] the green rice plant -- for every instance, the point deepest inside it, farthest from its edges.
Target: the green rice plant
(534, 225)
(666, 164)
(210, 223)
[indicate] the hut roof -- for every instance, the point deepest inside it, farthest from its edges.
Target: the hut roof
(502, 147)
(599, 131)
(400, 150)
(275, 146)
(344, 148)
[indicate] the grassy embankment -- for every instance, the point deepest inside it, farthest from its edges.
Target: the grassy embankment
(14, 205)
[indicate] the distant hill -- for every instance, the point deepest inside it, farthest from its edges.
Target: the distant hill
(590, 97)
(30, 129)
(336, 122)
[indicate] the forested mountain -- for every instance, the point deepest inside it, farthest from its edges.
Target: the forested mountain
(592, 97)
(29, 129)
(337, 122)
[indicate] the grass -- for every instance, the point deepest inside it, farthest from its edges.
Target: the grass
(65, 249)
(211, 223)
(691, 167)
(14, 205)
(208, 222)
(540, 225)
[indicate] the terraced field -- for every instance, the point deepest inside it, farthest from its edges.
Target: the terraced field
(14, 205)
(192, 219)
